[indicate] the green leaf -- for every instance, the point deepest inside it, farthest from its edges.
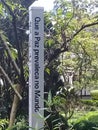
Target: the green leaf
(47, 70)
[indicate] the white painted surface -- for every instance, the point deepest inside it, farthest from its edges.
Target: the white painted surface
(36, 67)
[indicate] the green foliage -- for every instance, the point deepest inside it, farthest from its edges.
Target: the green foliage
(88, 122)
(64, 33)
(60, 108)
(20, 124)
(14, 51)
(3, 124)
(87, 102)
(94, 94)
(54, 119)
(90, 102)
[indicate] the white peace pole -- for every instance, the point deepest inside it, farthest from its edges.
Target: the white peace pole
(36, 67)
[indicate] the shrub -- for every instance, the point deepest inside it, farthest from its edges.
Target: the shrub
(94, 94)
(3, 124)
(88, 102)
(20, 124)
(88, 122)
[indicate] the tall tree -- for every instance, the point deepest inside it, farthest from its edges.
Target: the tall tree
(71, 45)
(70, 31)
(14, 23)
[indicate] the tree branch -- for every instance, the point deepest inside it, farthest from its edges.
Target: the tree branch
(22, 79)
(9, 53)
(82, 28)
(9, 81)
(75, 34)
(64, 46)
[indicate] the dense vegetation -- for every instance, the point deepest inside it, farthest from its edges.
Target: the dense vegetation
(71, 64)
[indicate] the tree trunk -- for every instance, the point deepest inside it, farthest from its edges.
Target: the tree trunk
(14, 106)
